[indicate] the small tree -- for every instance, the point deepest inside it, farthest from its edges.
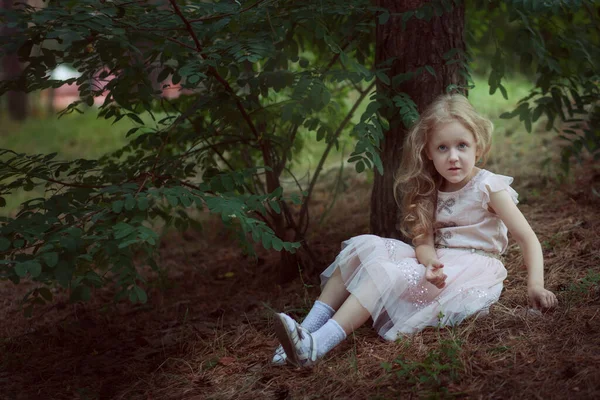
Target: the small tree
(258, 77)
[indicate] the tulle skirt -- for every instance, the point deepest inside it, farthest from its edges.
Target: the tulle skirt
(389, 282)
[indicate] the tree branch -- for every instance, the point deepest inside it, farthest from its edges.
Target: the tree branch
(214, 17)
(187, 25)
(70, 184)
(181, 43)
(304, 209)
(214, 72)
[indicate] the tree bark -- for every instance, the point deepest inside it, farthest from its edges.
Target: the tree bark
(16, 100)
(422, 43)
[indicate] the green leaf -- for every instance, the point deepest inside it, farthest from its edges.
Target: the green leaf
(35, 269)
(383, 77)
(132, 131)
(4, 244)
(267, 239)
(51, 259)
(277, 244)
(173, 201)
(135, 118)
(141, 294)
(2, 202)
(143, 203)
(503, 90)
(333, 46)
(130, 203)
(296, 199)
(127, 243)
(360, 166)
(122, 230)
(384, 17)
(133, 296)
(21, 269)
(117, 206)
(32, 267)
(430, 69)
(275, 207)
(186, 201)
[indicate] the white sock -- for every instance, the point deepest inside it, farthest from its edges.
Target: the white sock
(328, 336)
(318, 315)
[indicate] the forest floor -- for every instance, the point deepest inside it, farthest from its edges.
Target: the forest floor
(206, 331)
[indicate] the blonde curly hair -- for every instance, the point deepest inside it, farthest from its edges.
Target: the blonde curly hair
(416, 182)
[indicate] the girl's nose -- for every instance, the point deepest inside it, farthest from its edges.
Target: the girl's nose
(453, 155)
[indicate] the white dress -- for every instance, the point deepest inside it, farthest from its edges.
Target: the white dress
(389, 282)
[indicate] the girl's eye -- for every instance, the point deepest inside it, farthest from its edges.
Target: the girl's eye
(462, 146)
(441, 147)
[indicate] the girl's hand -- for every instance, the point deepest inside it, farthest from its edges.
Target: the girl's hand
(540, 298)
(435, 275)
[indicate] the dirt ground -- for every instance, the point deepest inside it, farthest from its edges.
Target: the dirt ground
(206, 331)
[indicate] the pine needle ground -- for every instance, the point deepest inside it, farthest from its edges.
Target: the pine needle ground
(206, 331)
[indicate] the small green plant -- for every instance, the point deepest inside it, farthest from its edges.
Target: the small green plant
(441, 366)
(587, 288)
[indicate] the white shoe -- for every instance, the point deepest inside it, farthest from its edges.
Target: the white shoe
(279, 358)
(297, 342)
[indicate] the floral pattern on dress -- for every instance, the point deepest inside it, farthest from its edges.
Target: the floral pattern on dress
(441, 238)
(446, 205)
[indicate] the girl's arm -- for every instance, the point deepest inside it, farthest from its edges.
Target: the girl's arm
(519, 228)
(426, 255)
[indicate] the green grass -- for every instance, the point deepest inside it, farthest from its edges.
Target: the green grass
(72, 136)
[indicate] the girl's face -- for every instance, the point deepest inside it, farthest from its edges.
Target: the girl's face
(453, 150)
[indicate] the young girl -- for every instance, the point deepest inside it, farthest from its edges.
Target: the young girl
(457, 216)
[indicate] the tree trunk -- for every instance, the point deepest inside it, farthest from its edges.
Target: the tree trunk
(16, 100)
(422, 43)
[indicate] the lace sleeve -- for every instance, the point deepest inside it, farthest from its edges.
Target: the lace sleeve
(495, 183)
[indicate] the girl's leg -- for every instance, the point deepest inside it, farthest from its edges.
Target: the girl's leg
(351, 315)
(334, 293)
